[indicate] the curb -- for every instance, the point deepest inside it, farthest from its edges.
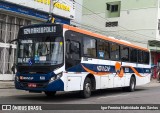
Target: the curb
(6, 84)
(10, 84)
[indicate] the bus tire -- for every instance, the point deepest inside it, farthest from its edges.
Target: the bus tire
(50, 93)
(132, 84)
(87, 87)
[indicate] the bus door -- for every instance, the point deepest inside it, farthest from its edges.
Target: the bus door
(73, 49)
(73, 60)
(103, 56)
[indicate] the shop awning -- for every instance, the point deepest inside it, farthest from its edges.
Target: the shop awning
(154, 45)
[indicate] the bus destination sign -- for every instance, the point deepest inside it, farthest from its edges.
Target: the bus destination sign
(36, 30)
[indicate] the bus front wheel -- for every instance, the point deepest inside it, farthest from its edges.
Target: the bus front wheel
(87, 86)
(50, 93)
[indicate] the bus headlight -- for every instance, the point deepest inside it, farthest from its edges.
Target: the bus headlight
(58, 76)
(52, 79)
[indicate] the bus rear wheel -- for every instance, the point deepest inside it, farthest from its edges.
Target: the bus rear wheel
(50, 93)
(87, 87)
(131, 86)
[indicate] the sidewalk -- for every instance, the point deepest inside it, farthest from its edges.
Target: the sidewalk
(153, 83)
(6, 84)
(10, 84)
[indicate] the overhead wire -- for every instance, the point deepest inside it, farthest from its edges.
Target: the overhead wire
(99, 29)
(109, 21)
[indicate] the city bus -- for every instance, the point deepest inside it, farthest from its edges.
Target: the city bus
(58, 57)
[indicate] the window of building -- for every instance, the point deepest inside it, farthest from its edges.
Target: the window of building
(133, 55)
(10, 29)
(112, 8)
(159, 25)
(124, 53)
(112, 24)
(3, 19)
(89, 47)
(114, 51)
(9, 26)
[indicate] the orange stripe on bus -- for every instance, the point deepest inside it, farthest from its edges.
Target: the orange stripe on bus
(135, 71)
(119, 69)
(101, 37)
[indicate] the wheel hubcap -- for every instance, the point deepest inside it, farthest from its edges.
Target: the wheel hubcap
(88, 88)
(132, 85)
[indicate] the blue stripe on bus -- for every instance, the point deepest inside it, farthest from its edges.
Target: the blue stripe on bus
(93, 67)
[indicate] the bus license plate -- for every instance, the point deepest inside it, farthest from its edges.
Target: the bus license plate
(32, 85)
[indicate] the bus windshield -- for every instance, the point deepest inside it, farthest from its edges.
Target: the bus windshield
(40, 51)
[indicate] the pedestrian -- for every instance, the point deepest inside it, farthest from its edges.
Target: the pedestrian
(13, 68)
(158, 73)
(152, 72)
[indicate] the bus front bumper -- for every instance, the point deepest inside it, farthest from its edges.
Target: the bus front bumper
(56, 85)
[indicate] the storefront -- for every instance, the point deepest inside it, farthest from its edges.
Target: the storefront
(17, 13)
(154, 47)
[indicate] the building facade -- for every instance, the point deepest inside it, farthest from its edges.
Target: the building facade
(17, 13)
(137, 21)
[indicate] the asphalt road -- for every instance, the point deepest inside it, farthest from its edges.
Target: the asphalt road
(142, 95)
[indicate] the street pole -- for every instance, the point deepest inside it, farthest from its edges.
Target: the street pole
(51, 7)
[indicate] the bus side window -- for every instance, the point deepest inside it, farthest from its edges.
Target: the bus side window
(72, 53)
(133, 55)
(75, 49)
(101, 49)
(124, 53)
(107, 50)
(89, 47)
(114, 51)
(146, 57)
(68, 47)
(140, 56)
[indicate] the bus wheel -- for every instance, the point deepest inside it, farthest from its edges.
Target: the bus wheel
(132, 85)
(86, 92)
(50, 93)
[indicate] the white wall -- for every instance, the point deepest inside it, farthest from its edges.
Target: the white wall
(137, 25)
(78, 12)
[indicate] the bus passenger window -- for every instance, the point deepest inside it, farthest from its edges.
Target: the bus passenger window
(101, 49)
(146, 57)
(114, 51)
(107, 54)
(89, 47)
(140, 58)
(124, 53)
(133, 55)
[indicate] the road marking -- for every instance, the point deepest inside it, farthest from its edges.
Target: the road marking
(113, 96)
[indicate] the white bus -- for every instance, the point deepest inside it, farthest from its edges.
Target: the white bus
(56, 57)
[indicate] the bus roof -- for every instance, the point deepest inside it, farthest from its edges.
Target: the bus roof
(102, 37)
